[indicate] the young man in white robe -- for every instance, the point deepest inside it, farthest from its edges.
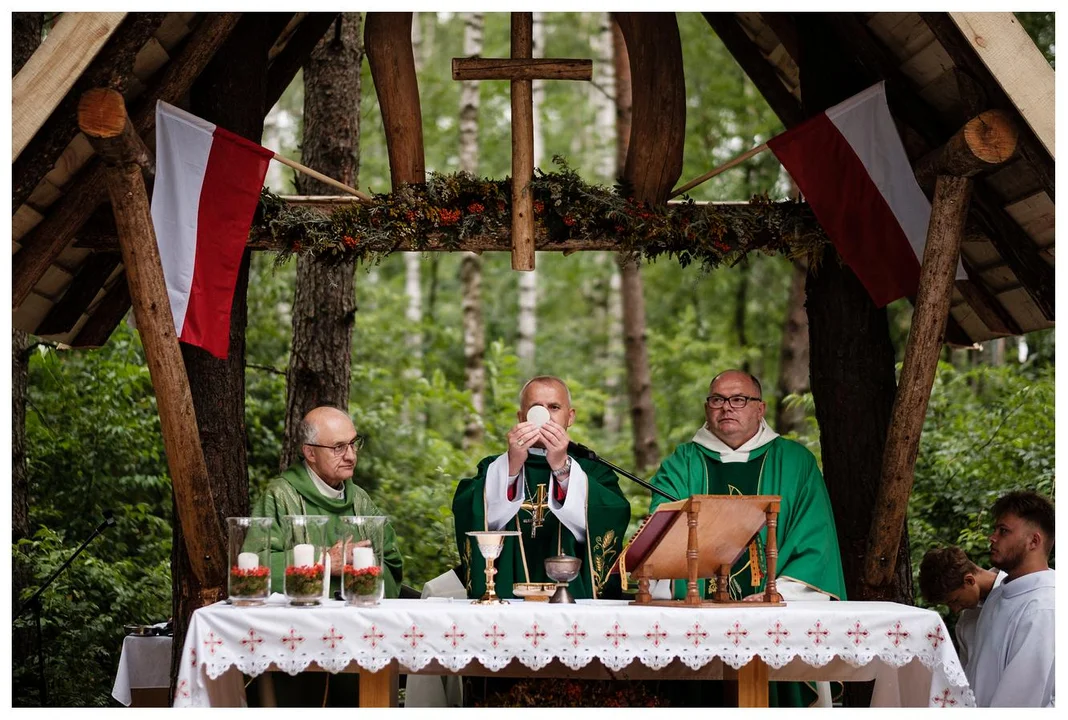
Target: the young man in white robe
(1012, 664)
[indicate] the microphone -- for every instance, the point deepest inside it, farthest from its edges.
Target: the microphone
(582, 452)
(109, 519)
(577, 450)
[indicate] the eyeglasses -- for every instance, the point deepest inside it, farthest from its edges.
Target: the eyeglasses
(339, 449)
(736, 401)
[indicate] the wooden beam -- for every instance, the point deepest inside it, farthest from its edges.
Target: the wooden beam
(46, 242)
(996, 318)
(105, 317)
(102, 117)
(986, 142)
(522, 147)
(53, 69)
(91, 277)
(924, 345)
(782, 24)
(514, 69)
(1020, 68)
(148, 292)
(963, 51)
(658, 109)
(113, 67)
(1016, 248)
(297, 50)
(757, 67)
(388, 43)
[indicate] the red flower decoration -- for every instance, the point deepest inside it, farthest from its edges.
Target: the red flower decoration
(568, 220)
(539, 207)
(449, 217)
(350, 242)
(475, 208)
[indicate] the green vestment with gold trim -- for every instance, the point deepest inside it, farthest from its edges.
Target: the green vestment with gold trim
(523, 558)
(806, 536)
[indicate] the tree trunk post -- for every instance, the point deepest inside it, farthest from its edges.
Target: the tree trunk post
(102, 117)
(985, 142)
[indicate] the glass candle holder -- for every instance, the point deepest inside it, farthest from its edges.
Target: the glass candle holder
(363, 573)
(307, 578)
(250, 559)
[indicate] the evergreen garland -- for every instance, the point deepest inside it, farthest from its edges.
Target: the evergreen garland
(451, 208)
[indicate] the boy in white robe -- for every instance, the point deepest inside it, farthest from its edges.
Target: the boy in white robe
(1012, 664)
(948, 577)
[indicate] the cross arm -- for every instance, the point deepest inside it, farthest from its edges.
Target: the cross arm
(521, 69)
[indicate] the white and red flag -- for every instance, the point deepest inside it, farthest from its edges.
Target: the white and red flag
(850, 165)
(208, 183)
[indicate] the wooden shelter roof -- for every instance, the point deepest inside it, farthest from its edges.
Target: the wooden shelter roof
(940, 69)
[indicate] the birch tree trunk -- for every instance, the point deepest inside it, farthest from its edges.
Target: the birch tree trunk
(471, 263)
(528, 281)
(324, 305)
(413, 339)
(639, 381)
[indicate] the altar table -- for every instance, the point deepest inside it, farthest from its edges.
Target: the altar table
(905, 650)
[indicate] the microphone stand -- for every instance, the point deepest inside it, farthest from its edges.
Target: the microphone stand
(585, 452)
(35, 601)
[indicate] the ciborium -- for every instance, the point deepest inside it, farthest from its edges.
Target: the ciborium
(563, 569)
(490, 544)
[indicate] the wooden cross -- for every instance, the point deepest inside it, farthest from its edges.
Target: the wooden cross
(521, 69)
(536, 507)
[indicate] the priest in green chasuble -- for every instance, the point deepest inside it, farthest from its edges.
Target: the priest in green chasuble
(559, 504)
(736, 453)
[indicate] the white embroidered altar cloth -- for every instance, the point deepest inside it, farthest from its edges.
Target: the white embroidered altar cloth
(906, 650)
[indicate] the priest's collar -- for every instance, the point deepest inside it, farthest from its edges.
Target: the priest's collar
(323, 488)
(727, 454)
(538, 451)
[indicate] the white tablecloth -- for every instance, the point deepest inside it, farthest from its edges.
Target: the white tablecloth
(145, 662)
(906, 650)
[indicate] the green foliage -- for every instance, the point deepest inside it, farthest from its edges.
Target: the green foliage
(93, 443)
(988, 430)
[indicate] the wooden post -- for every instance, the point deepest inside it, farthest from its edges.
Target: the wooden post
(692, 512)
(521, 69)
(985, 142)
(771, 554)
(388, 43)
(379, 689)
(102, 117)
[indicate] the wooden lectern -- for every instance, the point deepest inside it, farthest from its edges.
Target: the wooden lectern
(702, 537)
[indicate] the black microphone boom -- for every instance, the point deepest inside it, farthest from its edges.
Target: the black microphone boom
(581, 451)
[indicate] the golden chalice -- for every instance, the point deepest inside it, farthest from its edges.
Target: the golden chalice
(490, 544)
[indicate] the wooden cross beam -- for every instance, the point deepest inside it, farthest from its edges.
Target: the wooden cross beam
(521, 69)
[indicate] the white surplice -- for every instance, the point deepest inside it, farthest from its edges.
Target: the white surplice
(1012, 663)
(500, 510)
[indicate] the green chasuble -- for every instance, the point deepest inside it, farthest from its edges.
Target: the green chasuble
(523, 558)
(294, 493)
(807, 540)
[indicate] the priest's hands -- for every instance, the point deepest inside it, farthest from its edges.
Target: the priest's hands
(520, 438)
(556, 440)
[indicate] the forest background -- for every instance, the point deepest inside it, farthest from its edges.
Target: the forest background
(92, 437)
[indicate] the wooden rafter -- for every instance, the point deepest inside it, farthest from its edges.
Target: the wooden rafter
(54, 68)
(113, 67)
(45, 243)
(756, 66)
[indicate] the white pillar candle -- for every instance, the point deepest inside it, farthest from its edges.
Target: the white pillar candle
(362, 557)
(303, 555)
(248, 561)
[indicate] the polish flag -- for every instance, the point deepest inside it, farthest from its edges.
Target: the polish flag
(850, 165)
(208, 183)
